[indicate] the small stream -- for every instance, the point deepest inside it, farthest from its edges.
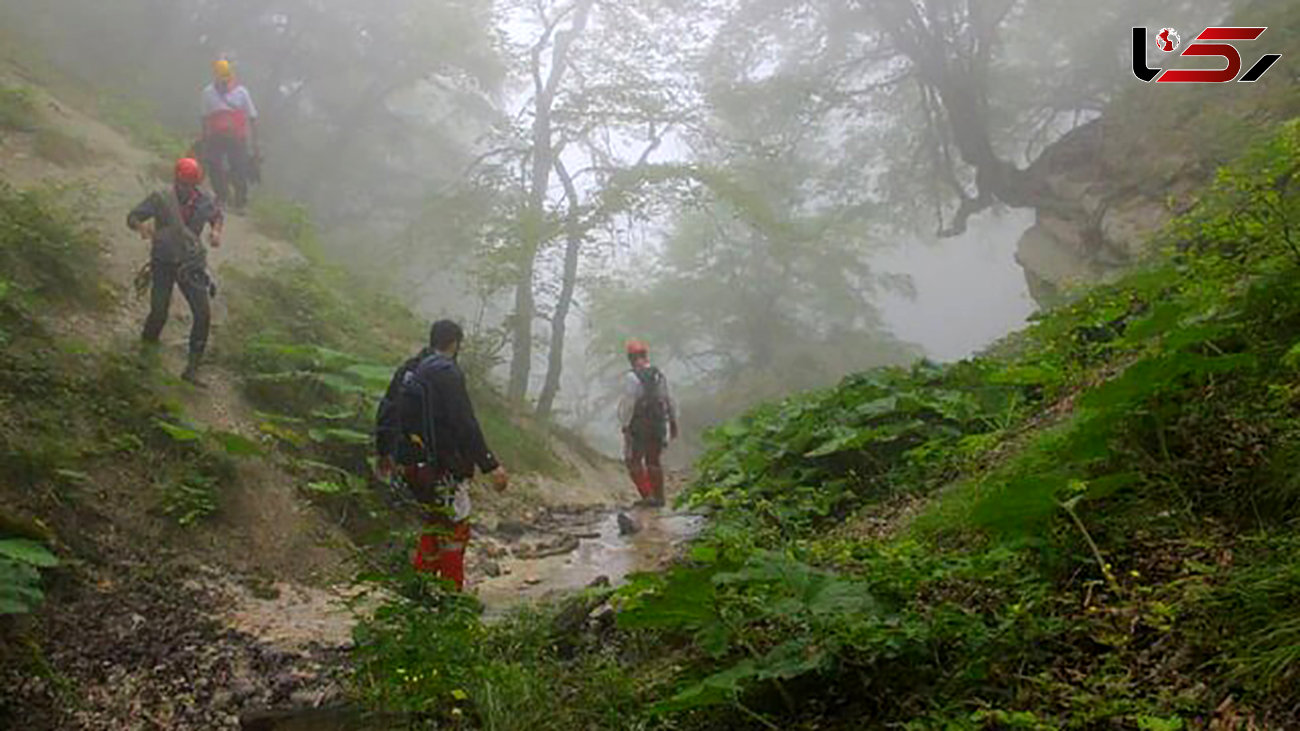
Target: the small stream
(603, 550)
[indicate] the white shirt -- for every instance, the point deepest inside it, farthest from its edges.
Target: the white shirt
(236, 99)
(632, 389)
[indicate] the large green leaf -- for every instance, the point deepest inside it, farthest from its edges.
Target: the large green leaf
(374, 377)
(686, 601)
(237, 445)
(718, 688)
(29, 552)
(338, 434)
(178, 432)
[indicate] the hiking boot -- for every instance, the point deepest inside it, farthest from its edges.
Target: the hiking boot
(191, 372)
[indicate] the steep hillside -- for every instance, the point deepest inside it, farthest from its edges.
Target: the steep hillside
(204, 537)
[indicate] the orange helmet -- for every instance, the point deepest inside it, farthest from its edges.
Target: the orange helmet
(188, 170)
(637, 347)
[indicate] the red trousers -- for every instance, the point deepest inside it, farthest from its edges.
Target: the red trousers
(441, 550)
(441, 547)
(641, 455)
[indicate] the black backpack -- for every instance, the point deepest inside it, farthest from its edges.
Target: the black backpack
(650, 413)
(415, 420)
(404, 425)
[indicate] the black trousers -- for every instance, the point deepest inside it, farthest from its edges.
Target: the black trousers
(193, 282)
(226, 158)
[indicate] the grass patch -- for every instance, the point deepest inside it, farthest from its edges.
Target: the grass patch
(49, 256)
(18, 110)
(138, 121)
(286, 220)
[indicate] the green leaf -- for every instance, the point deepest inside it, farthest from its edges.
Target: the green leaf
(282, 433)
(177, 432)
(347, 436)
(717, 688)
(237, 445)
(28, 552)
(714, 639)
(792, 659)
(325, 487)
(685, 601)
(375, 377)
(1155, 723)
(704, 554)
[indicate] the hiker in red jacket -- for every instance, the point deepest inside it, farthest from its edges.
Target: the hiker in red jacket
(229, 130)
(648, 417)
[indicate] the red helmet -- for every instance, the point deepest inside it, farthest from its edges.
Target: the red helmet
(637, 347)
(188, 170)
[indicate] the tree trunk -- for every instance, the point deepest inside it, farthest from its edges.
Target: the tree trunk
(521, 352)
(572, 250)
(544, 155)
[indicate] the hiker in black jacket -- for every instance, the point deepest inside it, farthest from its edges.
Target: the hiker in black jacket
(173, 220)
(428, 437)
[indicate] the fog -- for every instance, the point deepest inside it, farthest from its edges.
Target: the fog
(773, 193)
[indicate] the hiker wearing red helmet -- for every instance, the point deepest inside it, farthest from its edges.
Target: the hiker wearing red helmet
(173, 219)
(648, 417)
(230, 144)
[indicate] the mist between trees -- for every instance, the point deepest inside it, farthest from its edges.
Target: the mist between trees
(715, 176)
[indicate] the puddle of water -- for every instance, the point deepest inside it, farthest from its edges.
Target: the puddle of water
(611, 555)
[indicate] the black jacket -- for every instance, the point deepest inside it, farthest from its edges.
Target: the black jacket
(459, 442)
(198, 210)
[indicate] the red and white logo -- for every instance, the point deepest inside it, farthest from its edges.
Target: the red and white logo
(1168, 41)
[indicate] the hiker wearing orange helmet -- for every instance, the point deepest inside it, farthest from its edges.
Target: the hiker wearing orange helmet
(173, 219)
(648, 417)
(229, 130)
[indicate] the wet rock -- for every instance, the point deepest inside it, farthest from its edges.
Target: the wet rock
(601, 618)
(491, 568)
(576, 613)
(512, 529)
(556, 546)
(627, 525)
